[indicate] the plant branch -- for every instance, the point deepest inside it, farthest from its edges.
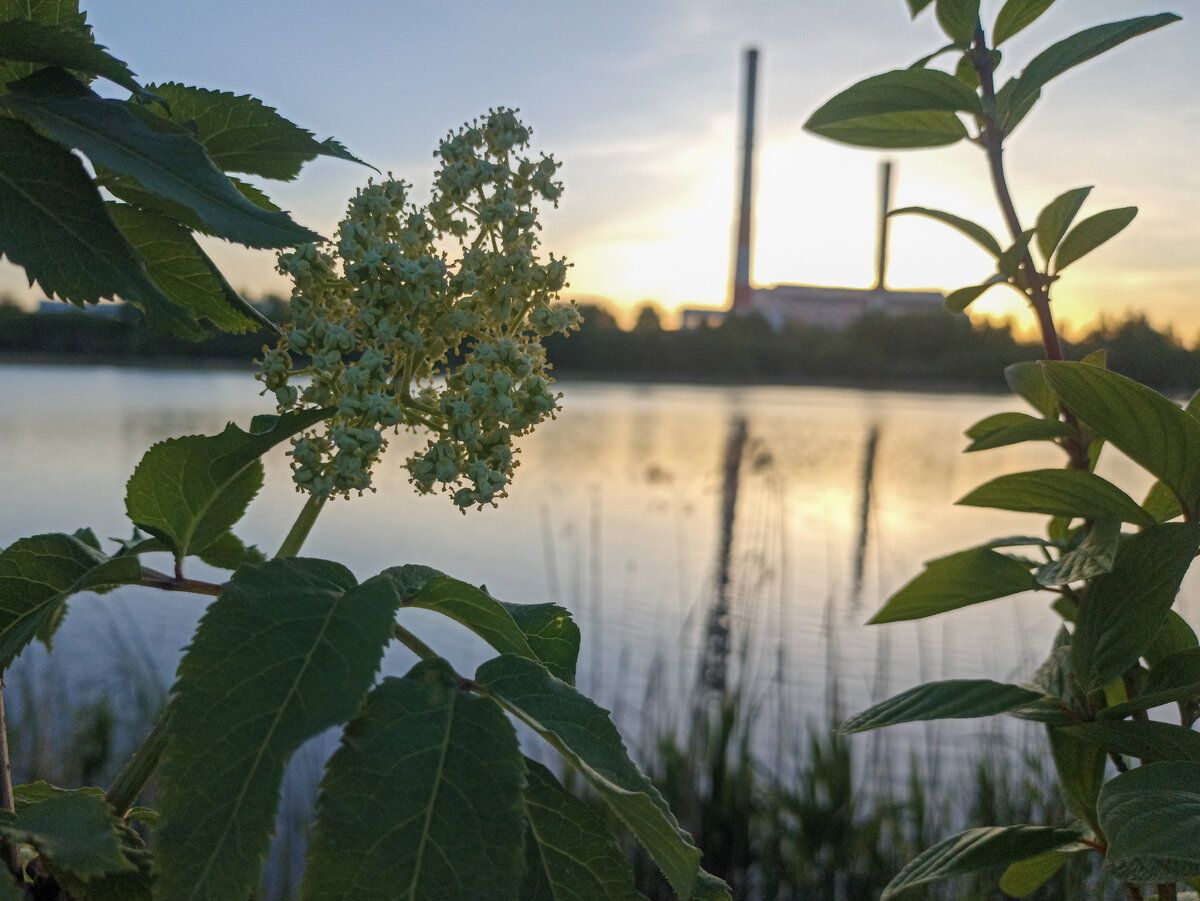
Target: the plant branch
(153, 579)
(11, 853)
(414, 644)
(301, 527)
(141, 766)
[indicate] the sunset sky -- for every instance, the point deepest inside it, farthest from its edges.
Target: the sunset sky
(640, 101)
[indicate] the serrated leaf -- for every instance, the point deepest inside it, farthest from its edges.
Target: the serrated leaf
(1015, 428)
(1122, 611)
(582, 732)
(1151, 816)
(958, 19)
(1058, 492)
(972, 230)
(75, 830)
(1143, 424)
(47, 12)
(184, 273)
(951, 699)
(173, 165)
(570, 854)
(288, 650)
(243, 134)
(56, 227)
(64, 46)
(1079, 769)
(1057, 216)
(38, 574)
(978, 849)
(542, 632)
(1025, 877)
(189, 491)
(1090, 234)
(958, 580)
(901, 108)
(422, 800)
(1015, 16)
(1147, 740)
(1079, 48)
(1095, 555)
(1027, 380)
(230, 552)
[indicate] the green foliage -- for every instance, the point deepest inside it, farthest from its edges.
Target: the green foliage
(1122, 650)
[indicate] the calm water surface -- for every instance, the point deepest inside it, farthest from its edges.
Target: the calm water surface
(615, 512)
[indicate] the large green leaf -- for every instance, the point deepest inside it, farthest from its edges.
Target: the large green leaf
(1079, 769)
(958, 19)
(570, 853)
(952, 699)
(75, 830)
(177, 265)
(189, 491)
(1122, 611)
(978, 849)
(288, 650)
(1143, 424)
(173, 165)
(1151, 816)
(1027, 380)
(1090, 234)
(1147, 740)
(1079, 48)
(38, 574)
(1095, 555)
(583, 733)
(1025, 877)
(57, 228)
(243, 134)
(422, 801)
(901, 108)
(1015, 16)
(972, 230)
(1054, 220)
(1058, 492)
(48, 12)
(542, 632)
(69, 48)
(947, 583)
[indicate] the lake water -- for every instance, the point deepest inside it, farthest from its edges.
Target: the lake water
(615, 512)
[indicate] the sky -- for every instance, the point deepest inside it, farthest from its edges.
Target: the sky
(640, 101)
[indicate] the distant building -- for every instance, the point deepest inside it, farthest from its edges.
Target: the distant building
(99, 309)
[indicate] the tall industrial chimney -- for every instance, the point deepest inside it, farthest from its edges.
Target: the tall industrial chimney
(881, 235)
(740, 289)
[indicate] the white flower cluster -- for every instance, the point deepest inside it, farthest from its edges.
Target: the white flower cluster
(400, 336)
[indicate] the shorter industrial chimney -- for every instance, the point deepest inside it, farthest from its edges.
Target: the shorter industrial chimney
(743, 243)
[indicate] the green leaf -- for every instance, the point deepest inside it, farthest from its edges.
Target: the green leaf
(1090, 234)
(958, 19)
(1025, 877)
(957, 301)
(1056, 218)
(972, 230)
(947, 583)
(915, 6)
(1095, 555)
(1009, 262)
(1151, 816)
(38, 574)
(1004, 429)
(1015, 16)
(230, 552)
(1174, 670)
(901, 108)
(1121, 612)
(47, 12)
(184, 273)
(542, 632)
(1058, 492)
(1141, 423)
(1161, 503)
(288, 650)
(1027, 380)
(1146, 740)
(189, 491)
(978, 849)
(1008, 114)
(583, 733)
(1079, 768)
(57, 228)
(75, 830)
(1079, 48)
(242, 134)
(422, 800)
(570, 853)
(69, 48)
(928, 58)
(952, 699)
(173, 165)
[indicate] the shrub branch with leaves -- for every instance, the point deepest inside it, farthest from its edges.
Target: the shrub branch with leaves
(429, 795)
(1112, 566)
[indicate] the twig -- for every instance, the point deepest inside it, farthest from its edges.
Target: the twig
(11, 853)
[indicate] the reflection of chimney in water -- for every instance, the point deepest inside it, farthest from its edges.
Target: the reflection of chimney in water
(881, 234)
(742, 247)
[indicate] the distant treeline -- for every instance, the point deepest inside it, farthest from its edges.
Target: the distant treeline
(933, 349)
